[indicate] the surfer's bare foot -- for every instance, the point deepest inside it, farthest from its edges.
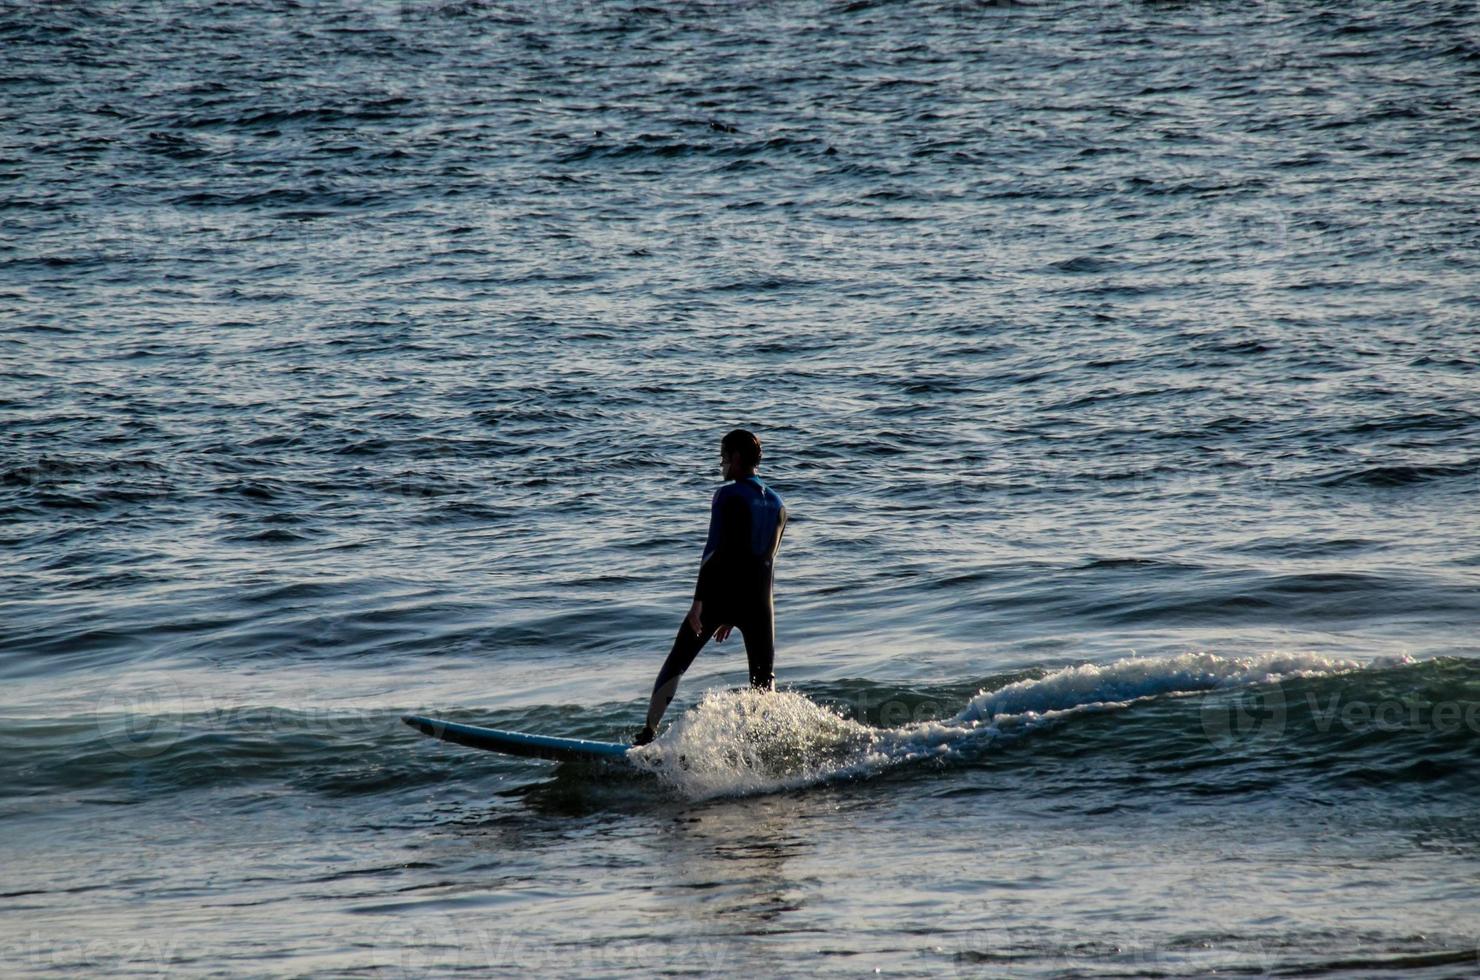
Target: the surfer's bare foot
(645, 736)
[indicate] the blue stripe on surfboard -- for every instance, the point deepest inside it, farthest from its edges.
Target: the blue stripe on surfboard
(517, 743)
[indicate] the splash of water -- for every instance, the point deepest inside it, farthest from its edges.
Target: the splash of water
(735, 743)
(743, 742)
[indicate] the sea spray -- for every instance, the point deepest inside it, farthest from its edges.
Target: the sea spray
(749, 741)
(737, 743)
(1132, 678)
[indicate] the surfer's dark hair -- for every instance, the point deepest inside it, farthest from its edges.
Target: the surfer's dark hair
(744, 442)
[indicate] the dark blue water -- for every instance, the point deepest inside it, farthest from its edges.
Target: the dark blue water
(1119, 364)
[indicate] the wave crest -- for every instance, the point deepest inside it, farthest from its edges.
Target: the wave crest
(1132, 678)
(738, 743)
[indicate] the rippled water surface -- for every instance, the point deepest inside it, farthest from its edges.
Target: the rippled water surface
(1119, 364)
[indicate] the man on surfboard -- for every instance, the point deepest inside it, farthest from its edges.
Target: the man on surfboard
(746, 520)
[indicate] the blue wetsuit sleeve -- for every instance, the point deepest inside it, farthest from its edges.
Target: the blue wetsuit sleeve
(712, 541)
(729, 540)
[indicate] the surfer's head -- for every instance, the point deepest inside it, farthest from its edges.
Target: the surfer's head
(740, 453)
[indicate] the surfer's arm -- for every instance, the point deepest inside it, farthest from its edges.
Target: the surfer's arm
(711, 543)
(729, 537)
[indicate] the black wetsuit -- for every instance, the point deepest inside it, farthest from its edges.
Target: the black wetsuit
(746, 520)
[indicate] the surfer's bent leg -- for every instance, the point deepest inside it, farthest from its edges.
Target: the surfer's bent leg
(686, 646)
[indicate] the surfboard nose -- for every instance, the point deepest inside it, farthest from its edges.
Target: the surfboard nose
(518, 743)
(421, 724)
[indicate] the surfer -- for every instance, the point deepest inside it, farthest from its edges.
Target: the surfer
(746, 520)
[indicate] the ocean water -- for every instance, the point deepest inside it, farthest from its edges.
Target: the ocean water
(1119, 364)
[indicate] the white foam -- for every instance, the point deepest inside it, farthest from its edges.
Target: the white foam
(1133, 678)
(735, 743)
(742, 742)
